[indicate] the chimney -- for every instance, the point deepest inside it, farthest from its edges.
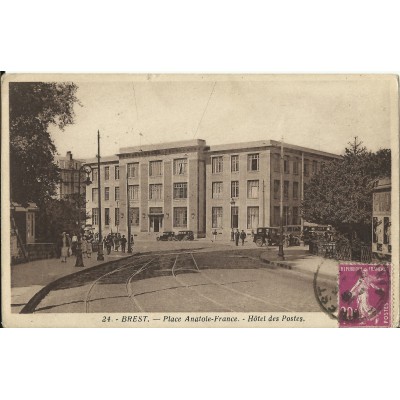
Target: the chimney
(69, 154)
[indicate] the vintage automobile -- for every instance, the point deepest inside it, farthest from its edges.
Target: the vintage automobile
(167, 236)
(184, 235)
(267, 235)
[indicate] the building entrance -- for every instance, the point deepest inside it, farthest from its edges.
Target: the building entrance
(155, 219)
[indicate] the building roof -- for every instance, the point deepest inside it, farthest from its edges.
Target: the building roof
(103, 160)
(164, 145)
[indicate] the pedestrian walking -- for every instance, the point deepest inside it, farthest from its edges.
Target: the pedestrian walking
(123, 243)
(237, 235)
(89, 248)
(84, 246)
(74, 243)
(117, 242)
(64, 247)
(242, 236)
(214, 233)
(108, 244)
(232, 235)
(69, 252)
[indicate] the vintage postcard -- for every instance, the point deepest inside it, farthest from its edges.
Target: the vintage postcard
(200, 200)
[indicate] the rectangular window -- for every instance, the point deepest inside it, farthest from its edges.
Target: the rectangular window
(217, 190)
(155, 168)
(253, 162)
(180, 166)
(106, 173)
(296, 167)
(277, 218)
(235, 189)
(306, 168)
(277, 162)
(106, 193)
(217, 217)
(133, 192)
(314, 167)
(95, 194)
(116, 218)
(116, 193)
(296, 217)
(217, 165)
(95, 216)
(133, 170)
(295, 190)
(286, 190)
(116, 172)
(234, 163)
(155, 192)
(107, 216)
(235, 216)
(180, 190)
(94, 175)
(252, 189)
(134, 216)
(286, 166)
(286, 216)
(180, 217)
(252, 217)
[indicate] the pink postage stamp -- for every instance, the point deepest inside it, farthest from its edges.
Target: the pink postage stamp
(364, 295)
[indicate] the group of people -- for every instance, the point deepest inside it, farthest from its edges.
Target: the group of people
(115, 241)
(235, 236)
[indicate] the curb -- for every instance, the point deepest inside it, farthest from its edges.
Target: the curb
(276, 263)
(31, 305)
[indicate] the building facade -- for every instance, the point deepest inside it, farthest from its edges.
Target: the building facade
(188, 185)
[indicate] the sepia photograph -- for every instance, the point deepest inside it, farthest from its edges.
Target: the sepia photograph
(200, 200)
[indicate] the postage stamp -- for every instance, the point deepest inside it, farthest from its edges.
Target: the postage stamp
(364, 299)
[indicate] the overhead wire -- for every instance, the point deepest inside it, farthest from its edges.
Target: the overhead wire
(205, 109)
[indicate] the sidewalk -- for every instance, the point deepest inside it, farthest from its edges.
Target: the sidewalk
(299, 259)
(28, 278)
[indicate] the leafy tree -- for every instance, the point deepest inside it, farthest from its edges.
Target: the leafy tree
(34, 106)
(341, 194)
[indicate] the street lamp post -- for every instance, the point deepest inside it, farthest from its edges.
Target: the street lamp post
(281, 255)
(232, 206)
(87, 169)
(100, 255)
(128, 219)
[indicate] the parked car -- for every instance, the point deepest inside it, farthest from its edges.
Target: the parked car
(185, 235)
(167, 236)
(266, 235)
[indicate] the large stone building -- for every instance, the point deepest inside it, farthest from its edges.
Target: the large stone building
(188, 185)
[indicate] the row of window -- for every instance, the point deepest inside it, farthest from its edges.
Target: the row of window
(253, 163)
(291, 216)
(253, 187)
(179, 216)
(155, 192)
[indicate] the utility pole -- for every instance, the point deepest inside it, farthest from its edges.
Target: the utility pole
(128, 219)
(100, 255)
(280, 251)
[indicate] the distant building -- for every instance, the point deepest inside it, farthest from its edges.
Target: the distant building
(69, 176)
(188, 185)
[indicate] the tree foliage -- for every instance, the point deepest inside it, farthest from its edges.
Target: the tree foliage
(34, 107)
(341, 193)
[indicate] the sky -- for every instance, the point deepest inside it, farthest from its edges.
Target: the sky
(324, 114)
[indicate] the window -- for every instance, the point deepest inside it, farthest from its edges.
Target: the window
(106, 193)
(252, 189)
(116, 172)
(296, 218)
(180, 217)
(94, 175)
(95, 194)
(217, 217)
(277, 218)
(286, 166)
(155, 192)
(217, 165)
(277, 187)
(286, 189)
(180, 190)
(235, 189)
(107, 216)
(314, 167)
(306, 168)
(286, 215)
(295, 190)
(252, 217)
(277, 162)
(116, 219)
(253, 162)
(180, 166)
(133, 170)
(95, 216)
(217, 190)
(134, 216)
(155, 168)
(106, 173)
(234, 163)
(133, 192)
(235, 217)
(116, 193)
(296, 166)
